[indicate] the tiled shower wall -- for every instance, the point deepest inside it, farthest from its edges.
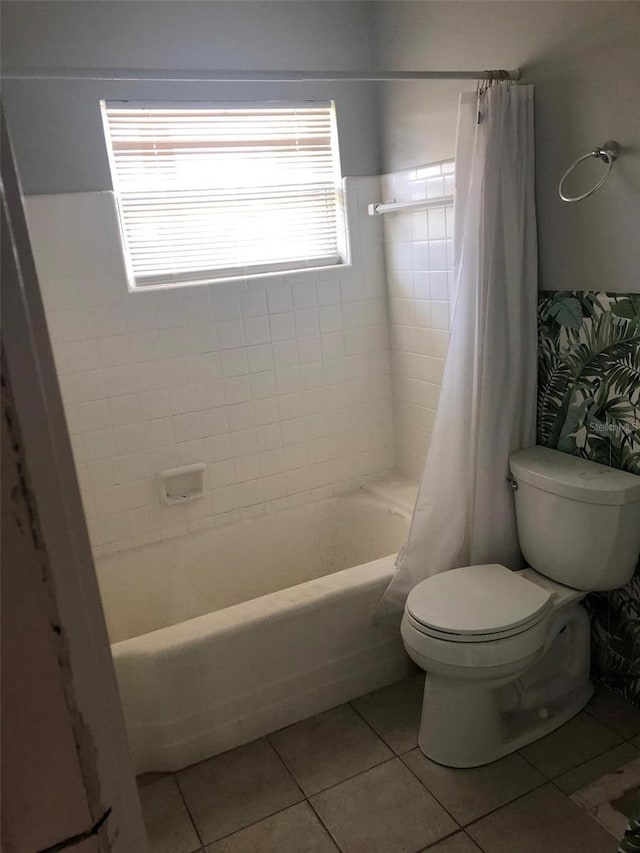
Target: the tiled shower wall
(282, 387)
(419, 259)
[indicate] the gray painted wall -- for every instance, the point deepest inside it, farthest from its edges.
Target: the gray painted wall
(582, 56)
(56, 127)
(584, 60)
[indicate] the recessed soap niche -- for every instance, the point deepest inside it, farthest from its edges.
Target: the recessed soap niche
(181, 485)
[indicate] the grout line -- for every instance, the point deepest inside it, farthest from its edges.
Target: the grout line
(347, 778)
(431, 794)
(324, 825)
(610, 728)
(170, 774)
(335, 784)
(473, 841)
(370, 726)
(353, 776)
(186, 805)
(493, 811)
(588, 761)
(508, 803)
(254, 822)
(497, 809)
(304, 797)
(600, 688)
(462, 827)
(394, 756)
(578, 806)
(547, 781)
(432, 844)
(573, 767)
(531, 764)
(277, 811)
(558, 788)
(477, 844)
(160, 775)
(284, 764)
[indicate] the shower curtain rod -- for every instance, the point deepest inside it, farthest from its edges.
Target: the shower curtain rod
(226, 76)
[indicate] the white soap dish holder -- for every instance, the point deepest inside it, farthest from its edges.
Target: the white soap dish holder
(181, 485)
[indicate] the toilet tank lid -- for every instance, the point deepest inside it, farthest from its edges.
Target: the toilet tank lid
(572, 477)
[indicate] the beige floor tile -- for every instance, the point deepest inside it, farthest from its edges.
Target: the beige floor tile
(89, 845)
(615, 712)
(579, 740)
(587, 773)
(394, 712)
(329, 748)
(471, 794)
(294, 830)
(169, 827)
(232, 790)
(636, 742)
(545, 820)
(384, 810)
(147, 778)
(458, 843)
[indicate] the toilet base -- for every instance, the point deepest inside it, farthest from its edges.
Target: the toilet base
(468, 722)
(464, 726)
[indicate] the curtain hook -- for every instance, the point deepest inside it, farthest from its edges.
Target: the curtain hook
(481, 88)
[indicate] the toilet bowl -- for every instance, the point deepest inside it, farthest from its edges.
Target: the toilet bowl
(507, 653)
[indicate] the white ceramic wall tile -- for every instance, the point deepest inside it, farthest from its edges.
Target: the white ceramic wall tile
(281, 386)
(418, 251)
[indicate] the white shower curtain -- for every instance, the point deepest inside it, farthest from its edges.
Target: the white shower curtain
(464, 510)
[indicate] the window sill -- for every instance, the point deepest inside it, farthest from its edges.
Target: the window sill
(273, 278)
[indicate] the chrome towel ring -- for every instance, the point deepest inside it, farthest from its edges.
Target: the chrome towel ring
(608, 153)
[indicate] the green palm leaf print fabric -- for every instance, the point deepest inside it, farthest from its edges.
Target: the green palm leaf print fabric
(631, 840)
(589, 405)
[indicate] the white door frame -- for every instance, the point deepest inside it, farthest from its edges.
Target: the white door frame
(53, 480)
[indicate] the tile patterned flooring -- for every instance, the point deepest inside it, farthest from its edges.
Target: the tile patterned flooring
(351, 780)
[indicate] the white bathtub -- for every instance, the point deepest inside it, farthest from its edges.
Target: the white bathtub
(223, 636)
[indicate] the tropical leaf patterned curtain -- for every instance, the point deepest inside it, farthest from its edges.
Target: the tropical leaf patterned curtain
(589, 405)
(631, 840)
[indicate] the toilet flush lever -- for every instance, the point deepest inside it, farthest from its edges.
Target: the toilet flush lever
(513, 483)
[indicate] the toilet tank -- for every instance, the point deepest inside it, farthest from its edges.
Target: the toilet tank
(578, 521)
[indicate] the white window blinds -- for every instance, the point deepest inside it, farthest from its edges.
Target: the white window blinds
(219, 192)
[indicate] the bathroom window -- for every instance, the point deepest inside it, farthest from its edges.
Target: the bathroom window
(211, 193)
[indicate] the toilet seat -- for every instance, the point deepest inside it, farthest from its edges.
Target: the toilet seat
(466, 639)
(476, 604)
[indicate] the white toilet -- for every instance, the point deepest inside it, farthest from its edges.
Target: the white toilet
(507, 653)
